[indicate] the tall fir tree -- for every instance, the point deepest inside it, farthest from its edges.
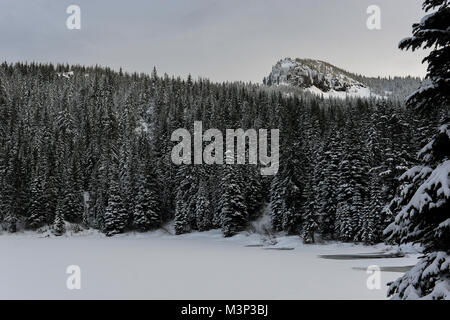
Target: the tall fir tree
(234, 216)
(147, 206)
(58, 224)
(203, 207)
(423, 203)
(115, 219)
(36, 208)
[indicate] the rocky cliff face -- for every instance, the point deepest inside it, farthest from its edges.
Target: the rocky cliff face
(316, 76)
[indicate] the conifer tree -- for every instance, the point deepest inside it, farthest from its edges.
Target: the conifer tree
(422, 205)
(276, 203)
(253, 190)
(58, 225)
(115, 219)
(374, 219)
(234, 214)
(146, 212)
(181, 214)
(11, 222)
(326, 189)
(293, 186)
(311, 217)
(203, 208)
(72, 205)
(36, 209)
(183, 203)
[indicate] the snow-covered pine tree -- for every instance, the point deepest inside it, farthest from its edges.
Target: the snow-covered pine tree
(253, 190)
(310, 223)
(276, 203)
(181, 224)
(36, 208)
(128, 176)
(146, 212)
(98, 201)
(422, 205)
(115, 219)
(374, 218)
(431, 32)
(141, 220)
(291, 206)
(5, 197)
(59, 228)
(203, 208)
(191, 200)
(396, 150)
(234, 211)
(7, 212)
(351, 187)
(11, 221)
(311, 218)
(215, 194)
(326, 191)
(293, 174)
(72, 204)
(183, 214)
(311, 178)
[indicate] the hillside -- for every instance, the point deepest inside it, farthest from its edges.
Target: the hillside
(325, 79)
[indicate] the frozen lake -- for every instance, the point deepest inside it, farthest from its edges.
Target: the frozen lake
(195, 266)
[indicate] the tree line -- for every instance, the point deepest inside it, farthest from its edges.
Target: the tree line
(92, 147)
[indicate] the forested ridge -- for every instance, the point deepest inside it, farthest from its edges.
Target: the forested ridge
(104, 136)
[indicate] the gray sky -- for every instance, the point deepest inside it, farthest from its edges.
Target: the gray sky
(223, 40)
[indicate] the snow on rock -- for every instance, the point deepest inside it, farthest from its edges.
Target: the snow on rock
(317, 77)
(352, 92)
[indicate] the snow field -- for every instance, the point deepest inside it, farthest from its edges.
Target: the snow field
(194, 266)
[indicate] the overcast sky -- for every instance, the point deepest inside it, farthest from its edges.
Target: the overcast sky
(223, 40)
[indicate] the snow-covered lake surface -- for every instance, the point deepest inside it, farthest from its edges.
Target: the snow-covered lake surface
(204, 265)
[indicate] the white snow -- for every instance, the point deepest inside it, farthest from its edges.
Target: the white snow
(287, 64)
(425, 152)
(352, 92)
(143, 127)
(66, 75)
(426, 17)
(422, 89)
(158, 265)
(439, 179)
(434, 265)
